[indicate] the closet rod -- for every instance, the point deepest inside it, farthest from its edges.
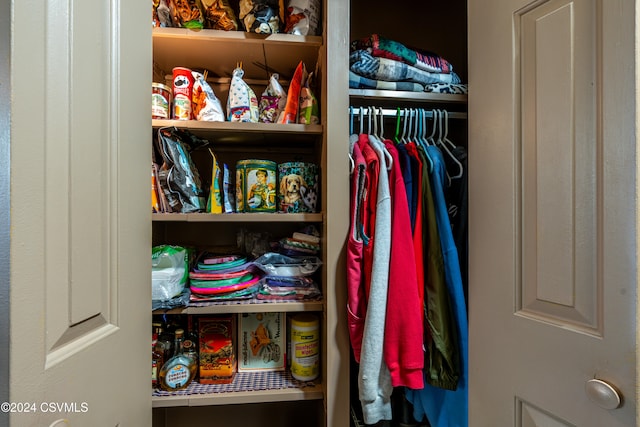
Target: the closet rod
(387, 112)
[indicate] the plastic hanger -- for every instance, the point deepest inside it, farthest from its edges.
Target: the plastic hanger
(396, 137)
(422, 141)
(352, 164)
(446, 141)
(381, 111)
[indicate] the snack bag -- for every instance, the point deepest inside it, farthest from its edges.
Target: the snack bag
(272, 102)
(308, 114)
(218, 15)
(242, 104)
(187, 14)
(162, 13)
(302, 17)
(214, 203)
(204, 103)
(261, 16)
(290, 113)
(229, 199)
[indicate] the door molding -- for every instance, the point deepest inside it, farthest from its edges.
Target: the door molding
(5, 188)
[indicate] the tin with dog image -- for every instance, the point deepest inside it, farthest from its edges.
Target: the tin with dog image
(298, 187)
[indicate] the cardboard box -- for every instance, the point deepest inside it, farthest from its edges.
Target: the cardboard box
(262, 342)
(217, 354)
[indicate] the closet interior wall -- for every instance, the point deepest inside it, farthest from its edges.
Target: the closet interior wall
(438, 26)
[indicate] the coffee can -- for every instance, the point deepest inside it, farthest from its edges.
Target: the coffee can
(298, 187)
(256, 185)
(182, 89)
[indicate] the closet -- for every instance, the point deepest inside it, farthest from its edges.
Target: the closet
(324, 402)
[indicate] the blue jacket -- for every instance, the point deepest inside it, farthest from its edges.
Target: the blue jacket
(446, 408)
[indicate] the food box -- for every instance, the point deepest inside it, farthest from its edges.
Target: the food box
(261, 342)
(217, 354)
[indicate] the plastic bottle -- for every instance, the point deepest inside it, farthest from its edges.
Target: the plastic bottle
(305, 347)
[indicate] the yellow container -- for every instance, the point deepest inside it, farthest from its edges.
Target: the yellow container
(305, 347)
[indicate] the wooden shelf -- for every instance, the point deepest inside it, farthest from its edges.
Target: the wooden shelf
(219, 52)
(251, 306)
(247, 387)
(238, 217)
(265, 135)
(393, 95)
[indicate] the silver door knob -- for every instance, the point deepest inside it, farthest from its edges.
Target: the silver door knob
(603, 394)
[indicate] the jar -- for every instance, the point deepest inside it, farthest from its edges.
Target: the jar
(305, 347)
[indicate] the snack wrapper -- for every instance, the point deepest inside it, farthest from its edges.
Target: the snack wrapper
(308, 114)
(272, 101)
(302, 17)
(290, 113)
(218, 15)
(206, 106)
(242, 104)
(261, 16)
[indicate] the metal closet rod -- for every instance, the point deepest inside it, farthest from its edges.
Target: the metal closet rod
(388, 112)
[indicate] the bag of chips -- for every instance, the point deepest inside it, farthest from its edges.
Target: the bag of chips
(272, 101)
(261, 16)
(218, 15)
(204, 103)
(242, 104)
(302, 17)
(187, 14)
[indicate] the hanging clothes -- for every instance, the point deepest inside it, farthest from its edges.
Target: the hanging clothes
(403, 346)
(374, 379)
(446, 408)
(356, 298)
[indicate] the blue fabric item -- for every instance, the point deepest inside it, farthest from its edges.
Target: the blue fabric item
(360, 82)
(405, 167)
(446, 408)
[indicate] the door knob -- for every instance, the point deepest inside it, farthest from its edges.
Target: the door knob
(603, 394)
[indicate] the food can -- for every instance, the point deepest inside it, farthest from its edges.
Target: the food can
(182, 89)
(160, 101)
(297, 187)
(305, 347)
(256, 185)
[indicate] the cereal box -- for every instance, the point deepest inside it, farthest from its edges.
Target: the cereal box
(217, 353)
(262, 342)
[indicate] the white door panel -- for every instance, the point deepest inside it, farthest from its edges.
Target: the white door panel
(81, 228)
(553, 211)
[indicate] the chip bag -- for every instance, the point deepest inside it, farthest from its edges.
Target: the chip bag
(218, 15)
(261, 16)
(204, 103)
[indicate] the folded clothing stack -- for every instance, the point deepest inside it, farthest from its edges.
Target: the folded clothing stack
(222, 278)
(380, 63)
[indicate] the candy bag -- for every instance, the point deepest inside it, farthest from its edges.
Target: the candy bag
(242, 104)
(272, 101)
(204, 103)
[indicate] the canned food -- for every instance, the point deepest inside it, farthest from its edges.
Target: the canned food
(182, 89)
(256, 186)
(160, 101)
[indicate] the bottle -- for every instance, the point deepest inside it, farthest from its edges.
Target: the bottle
(305, 347)
(177, 372)
(157, 355)
(190, 345)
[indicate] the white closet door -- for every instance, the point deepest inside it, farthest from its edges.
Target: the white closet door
(553, 204)
(80, 213)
